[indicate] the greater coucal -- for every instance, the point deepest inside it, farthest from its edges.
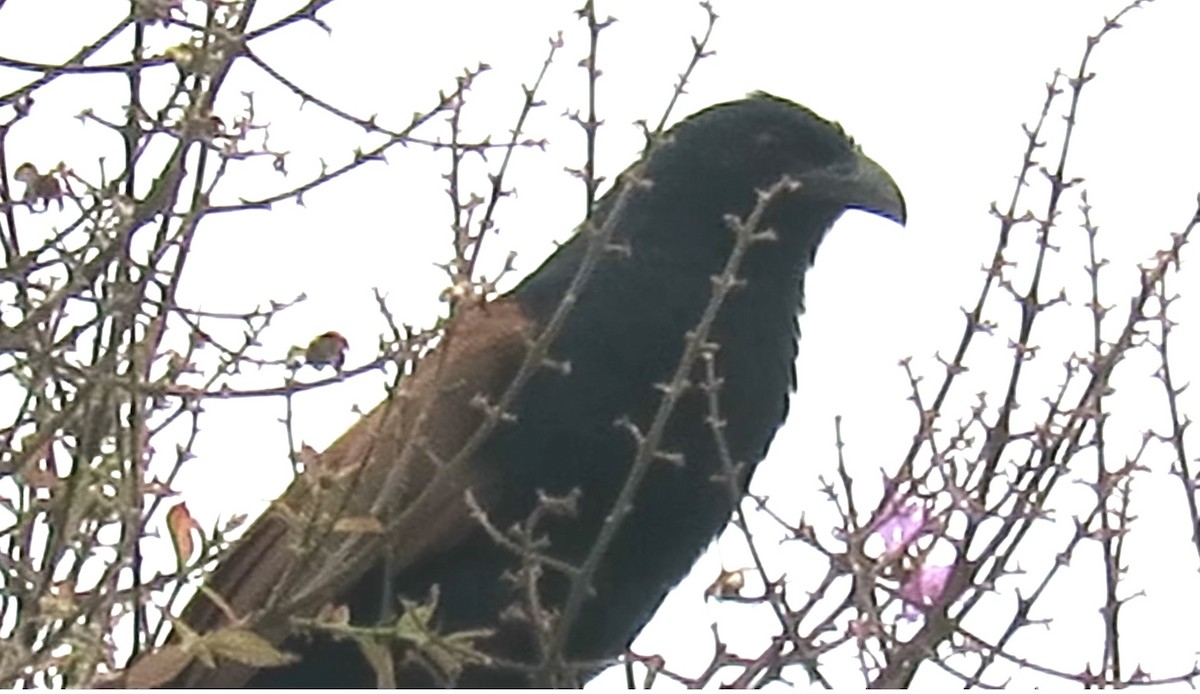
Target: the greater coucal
(485, 498)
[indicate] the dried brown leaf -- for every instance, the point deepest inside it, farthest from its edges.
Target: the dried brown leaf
(181, 524)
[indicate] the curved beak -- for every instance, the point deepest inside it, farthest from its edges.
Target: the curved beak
(875, 191)
(861, 184)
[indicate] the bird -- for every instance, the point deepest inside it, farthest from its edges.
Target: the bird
(449, 538)
(327, 349)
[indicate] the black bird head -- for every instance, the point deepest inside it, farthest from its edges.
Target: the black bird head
(763, 137)
(716, 159)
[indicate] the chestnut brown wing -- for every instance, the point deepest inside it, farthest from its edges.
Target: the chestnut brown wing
(394, 483)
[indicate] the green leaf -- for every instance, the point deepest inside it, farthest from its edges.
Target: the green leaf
(246, 647)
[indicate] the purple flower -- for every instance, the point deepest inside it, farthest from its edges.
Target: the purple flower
(923, 588)
(899, 527)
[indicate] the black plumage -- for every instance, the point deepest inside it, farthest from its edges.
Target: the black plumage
(623, 337)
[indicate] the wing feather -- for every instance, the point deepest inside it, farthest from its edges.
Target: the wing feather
(398, 469)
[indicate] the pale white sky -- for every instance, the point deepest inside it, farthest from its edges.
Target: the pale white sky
(934, 91)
